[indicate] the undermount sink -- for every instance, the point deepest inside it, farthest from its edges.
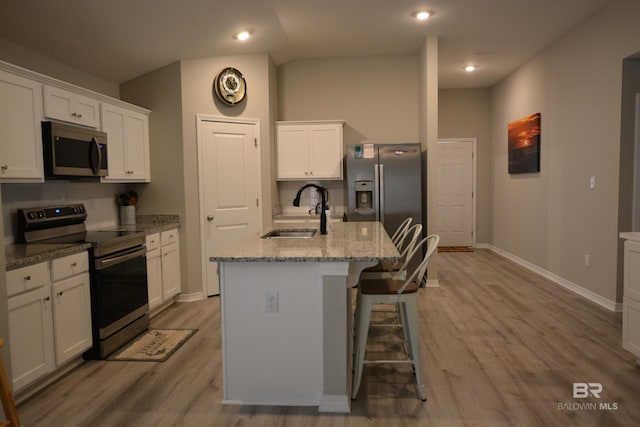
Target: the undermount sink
(296, 233)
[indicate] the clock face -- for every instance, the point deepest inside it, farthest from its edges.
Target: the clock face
(230, 86)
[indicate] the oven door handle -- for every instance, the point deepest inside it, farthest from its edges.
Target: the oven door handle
(108, 261)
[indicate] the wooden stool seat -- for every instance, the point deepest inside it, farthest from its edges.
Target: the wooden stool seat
(8, 403)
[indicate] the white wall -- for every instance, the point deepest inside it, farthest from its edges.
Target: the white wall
(552, 218)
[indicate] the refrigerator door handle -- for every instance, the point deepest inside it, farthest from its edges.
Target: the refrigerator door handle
(381, 178)
(376, 177)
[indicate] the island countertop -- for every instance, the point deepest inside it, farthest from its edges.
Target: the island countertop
(345, 241)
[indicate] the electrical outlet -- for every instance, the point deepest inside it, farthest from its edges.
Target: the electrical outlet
(271, 302)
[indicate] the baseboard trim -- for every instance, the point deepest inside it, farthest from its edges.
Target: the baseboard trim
(432, 283)
(567, 284)
(195, 296)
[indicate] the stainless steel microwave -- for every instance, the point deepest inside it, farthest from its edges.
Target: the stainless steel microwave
(73, 151)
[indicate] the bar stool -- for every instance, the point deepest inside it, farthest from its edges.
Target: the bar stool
(393, 291)
(401, 231)
(393, 269)
(8, 403)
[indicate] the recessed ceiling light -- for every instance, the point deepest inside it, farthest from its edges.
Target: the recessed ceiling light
(242, 35)
(422, 15)
(470, 68)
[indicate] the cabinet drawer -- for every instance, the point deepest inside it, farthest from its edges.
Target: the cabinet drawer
(69, 266)
(153, 241)
(26, 278)
(168, 237)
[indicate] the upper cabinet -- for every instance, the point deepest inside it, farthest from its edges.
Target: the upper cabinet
(27, 98)
(20, 129)
(309, 150)
(66, 106)
(127, 144)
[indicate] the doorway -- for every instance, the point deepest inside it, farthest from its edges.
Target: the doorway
(229, 186)
(455, 193)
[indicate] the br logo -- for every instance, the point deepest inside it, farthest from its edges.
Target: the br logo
(584, 390)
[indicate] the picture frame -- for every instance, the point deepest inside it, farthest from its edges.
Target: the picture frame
(523, 140)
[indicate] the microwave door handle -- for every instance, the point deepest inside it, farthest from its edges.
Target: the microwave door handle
(96, 169)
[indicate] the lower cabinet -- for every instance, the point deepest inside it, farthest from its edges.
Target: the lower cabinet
(163, 267)
(51, 323)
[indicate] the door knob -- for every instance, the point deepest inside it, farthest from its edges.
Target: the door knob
(209, 217)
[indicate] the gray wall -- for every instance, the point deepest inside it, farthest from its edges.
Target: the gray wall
(552, 218)
(26, 58)
(465, 113)
(176, 94)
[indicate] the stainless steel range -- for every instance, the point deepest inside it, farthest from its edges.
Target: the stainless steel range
(118, 268)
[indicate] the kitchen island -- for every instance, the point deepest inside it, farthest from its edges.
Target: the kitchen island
(286, 314)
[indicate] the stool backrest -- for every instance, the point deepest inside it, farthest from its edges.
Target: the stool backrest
(401, 231)
(418, 274)
(407, 245)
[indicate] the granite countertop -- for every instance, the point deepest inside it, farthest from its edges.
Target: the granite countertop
(346, 241)
(22, 254)
(631, 235)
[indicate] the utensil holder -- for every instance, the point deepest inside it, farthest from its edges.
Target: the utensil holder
(127, 215)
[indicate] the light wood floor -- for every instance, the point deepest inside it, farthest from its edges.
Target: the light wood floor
(501, 347)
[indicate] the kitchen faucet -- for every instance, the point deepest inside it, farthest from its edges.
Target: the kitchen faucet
(323, 215)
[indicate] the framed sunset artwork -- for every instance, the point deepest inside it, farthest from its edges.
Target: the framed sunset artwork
(524, 145)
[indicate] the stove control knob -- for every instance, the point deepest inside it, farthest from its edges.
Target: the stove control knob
(41, 214)
(31, 215)
(81, 208)
(76, 209)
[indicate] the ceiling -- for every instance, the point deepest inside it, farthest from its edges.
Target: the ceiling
(118, 40)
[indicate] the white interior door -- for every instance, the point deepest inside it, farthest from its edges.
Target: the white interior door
(454, 198)
(230, 189)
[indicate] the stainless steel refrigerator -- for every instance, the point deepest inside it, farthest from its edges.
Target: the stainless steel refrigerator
(384, 183)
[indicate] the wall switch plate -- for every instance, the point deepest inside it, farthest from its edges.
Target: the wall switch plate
(587, 260)
(592, 182)
(271, 301)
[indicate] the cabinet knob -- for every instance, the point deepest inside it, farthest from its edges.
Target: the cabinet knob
(74, 264)
(4, 168)
(73, 114)
(60, 293)
(209, 218)
(79, 115)
(27, 278)
(46, 299)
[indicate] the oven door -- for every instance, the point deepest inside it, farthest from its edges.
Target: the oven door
(119, 290)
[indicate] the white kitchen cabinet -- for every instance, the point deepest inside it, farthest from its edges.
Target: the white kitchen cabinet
(49, 323)
(163, 267)
(67, 106)
(128, 144)
(154, 270)
(20, 129)
(309, 150)
(170, 252)
(631, 299)
(31, 336)
(71, 317)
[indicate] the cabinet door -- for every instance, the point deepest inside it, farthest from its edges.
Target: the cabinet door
(632, 269)
(113, 119)
(292, 152)
(70, 107)
(31, 336)
(325, 143)
(170, 271)
(137, 146)
(71, 317)
(154, 278)
(128, 144)
(20, 129)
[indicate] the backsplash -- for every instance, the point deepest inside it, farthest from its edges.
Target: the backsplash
(287, 191)
(99, 200)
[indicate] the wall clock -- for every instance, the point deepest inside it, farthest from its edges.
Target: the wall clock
(230, 86)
